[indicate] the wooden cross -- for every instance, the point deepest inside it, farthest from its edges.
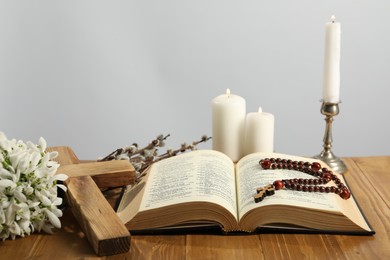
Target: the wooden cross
(264, 191)
(105, 231)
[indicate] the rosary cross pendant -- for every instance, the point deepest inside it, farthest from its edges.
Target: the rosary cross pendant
(263, 192)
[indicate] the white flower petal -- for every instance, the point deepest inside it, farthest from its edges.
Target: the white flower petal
(53, 155)
(42, 144)
(5, 174)
(2, 136)
(63, 187)
(53, 218)
(25, 226)
(19, 195)
(34, 204)
(57, 201)
(24, 162)
(61, 177)
(48, 228)
(39, 173)
(46, 159)
(2, 216)
(57, 212)
(32, 147)
(39, 224)
(14, 228)
(28, 190)
(15, 158)
(26, 214)
(35, 159)
(45, 200)
(7, 183)
(5, 203)
(11, 169)
(9, 215)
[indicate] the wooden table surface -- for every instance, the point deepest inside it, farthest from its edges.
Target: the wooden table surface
(368, 178)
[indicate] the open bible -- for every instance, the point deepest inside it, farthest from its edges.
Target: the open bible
(204, 188)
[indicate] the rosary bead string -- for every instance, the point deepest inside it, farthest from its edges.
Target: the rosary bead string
(323, 176)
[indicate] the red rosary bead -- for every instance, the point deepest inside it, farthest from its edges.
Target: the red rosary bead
(316, 166)
(278, 185)
(327, 177)
(345, 194)
(265, 164)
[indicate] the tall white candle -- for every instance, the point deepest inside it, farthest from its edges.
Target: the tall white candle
(228, 124)
(259, 132)
(331, 87)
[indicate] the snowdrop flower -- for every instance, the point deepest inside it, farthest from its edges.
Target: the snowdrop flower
(28, 188)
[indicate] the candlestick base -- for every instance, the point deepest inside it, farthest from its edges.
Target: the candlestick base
(329, 110)
(334, 162)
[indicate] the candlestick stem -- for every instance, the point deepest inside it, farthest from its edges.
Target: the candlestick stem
(335, 163)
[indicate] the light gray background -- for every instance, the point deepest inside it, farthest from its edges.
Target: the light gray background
(99, 75)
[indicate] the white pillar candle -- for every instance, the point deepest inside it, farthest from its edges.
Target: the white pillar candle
(228, 124)
(259, 132)
(331, 85)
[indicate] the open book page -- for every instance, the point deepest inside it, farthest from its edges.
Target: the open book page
(250, 176)
(201, 175)
(351, 209)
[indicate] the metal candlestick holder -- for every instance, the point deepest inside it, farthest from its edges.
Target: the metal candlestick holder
(329, 110)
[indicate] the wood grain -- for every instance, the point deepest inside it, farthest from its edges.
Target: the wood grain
(158, 247)
(105, 232)
(117, 173)
(224, 247)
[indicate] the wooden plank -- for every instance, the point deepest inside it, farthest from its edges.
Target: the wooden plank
(297, 246)
(376, 169)
(224, 247)
(368, 181)
(157, 247)
(107, 174)
(105, 232)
